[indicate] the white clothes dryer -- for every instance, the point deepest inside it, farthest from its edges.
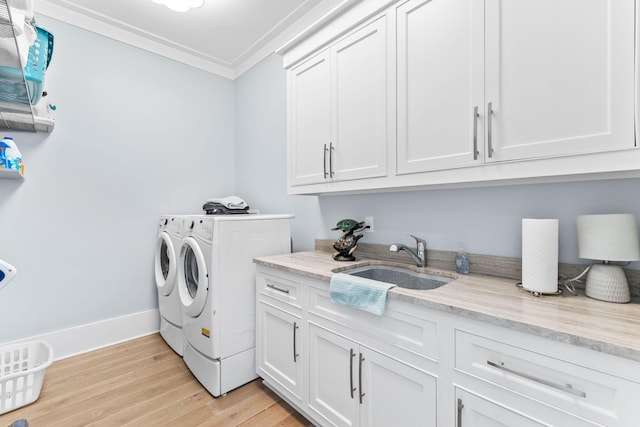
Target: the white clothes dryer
(216, 281)
(166, 275)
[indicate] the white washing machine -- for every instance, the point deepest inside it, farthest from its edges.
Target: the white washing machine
(166, 273)
(216, 281)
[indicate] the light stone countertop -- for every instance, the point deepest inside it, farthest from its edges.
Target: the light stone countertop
(578, 320)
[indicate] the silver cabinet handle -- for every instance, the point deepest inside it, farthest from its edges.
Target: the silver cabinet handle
(331, 150)
(475, 133)
(360, 377)
(295, 352)
(352, 354)
(566, 388)
(489, 130)
(275, 288)
(460, 407)
(324, 161)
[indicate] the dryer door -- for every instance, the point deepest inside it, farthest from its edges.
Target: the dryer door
(166, 264)
(193, 277)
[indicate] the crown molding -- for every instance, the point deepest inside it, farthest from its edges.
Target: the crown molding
(106, 26)
(124, 33)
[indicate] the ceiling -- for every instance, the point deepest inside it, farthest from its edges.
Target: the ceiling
(225, 37)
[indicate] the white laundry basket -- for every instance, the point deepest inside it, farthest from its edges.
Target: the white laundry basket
(22, 368)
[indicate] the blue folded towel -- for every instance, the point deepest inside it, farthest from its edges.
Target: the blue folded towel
(358, 292)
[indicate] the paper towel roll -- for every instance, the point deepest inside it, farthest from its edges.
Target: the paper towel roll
(540, 255)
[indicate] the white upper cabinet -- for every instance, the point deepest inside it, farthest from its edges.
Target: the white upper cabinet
(559, 80)
(420, 93)
(560, 77)
(359, 136)
(309, 120)
(440, 83)
(338, 110)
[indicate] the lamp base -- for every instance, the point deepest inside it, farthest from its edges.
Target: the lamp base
(607, 282)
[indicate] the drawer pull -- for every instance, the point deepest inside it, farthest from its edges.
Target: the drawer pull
(275, 288)
(324, 161)
(360, 377)
(566, 388)
(352, 354)
(475, 133)
(331, 150)
(489, 129)
(295, 351)
(460, 408)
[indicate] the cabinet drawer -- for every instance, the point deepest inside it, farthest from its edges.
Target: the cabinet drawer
(583, 391)
(395, 327)
(283, 289)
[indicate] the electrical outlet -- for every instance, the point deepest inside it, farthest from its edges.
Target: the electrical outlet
(368, 220)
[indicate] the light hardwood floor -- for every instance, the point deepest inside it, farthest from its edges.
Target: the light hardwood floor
(144, 383)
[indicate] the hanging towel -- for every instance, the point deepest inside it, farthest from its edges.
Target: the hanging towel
(359, 292)
(230, 202)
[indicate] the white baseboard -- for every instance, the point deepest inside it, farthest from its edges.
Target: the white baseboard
(92, 336)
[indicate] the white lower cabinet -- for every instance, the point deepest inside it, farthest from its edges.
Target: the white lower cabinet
(279, 349)
(394, 393)
(368, 372)
(509, 374)
(333, 391)
(474, 411)
(418, 366)
(351, 385)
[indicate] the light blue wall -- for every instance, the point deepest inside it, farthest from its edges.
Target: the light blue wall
(261, 151)
(484, 220)
(136, 136)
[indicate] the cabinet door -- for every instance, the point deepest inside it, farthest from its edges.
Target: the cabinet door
(279, 348)
(560, 77)
(440, 84)
(332, 377)
(359, 140)
(474, 411)
(309, 120)
(394, 394)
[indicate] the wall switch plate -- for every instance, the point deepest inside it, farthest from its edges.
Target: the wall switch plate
(368, 220)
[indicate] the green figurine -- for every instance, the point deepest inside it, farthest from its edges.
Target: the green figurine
(348, 242)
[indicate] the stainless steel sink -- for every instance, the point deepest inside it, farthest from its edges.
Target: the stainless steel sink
(403, 278)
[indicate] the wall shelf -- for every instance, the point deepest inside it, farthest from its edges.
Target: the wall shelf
(18, 114)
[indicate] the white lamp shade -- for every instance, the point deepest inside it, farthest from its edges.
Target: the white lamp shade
(612, 237)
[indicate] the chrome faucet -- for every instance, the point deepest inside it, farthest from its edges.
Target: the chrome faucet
(419, 255)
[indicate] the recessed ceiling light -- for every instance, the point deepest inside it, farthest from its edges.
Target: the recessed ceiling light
(180, 5)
